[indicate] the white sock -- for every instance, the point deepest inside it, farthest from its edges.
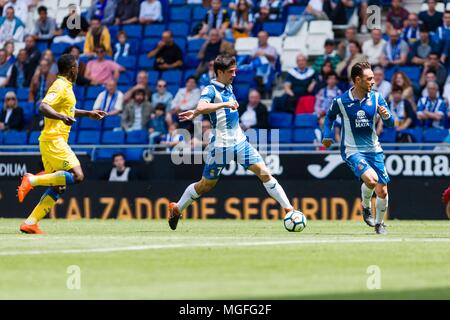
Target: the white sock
(381, 207)
(189, 196)
(366, 196)
(276, 191)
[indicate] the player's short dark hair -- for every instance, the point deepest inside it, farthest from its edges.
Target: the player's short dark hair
(65, 63)
(358, 69)
(223, 62)
(118, 154)
(42, 9)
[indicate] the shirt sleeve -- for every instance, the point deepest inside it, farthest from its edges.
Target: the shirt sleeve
(420, 106)
(53, 96)
(329, 119)
(207, 94)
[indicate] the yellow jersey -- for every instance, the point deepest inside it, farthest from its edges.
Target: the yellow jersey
(61, 98)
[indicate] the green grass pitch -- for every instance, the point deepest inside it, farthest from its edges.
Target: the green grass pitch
(225, 259)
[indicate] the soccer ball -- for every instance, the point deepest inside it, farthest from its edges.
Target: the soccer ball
(294, 221)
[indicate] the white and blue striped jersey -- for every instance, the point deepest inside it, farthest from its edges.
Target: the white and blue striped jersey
(359, 117)
(224, 121)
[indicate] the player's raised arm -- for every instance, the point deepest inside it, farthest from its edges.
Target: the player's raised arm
(328, 124)
(50, 113)
(383, 111)
(94, 114)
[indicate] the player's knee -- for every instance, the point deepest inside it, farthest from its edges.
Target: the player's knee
(205, 186)
(372, 182)
(382, 193)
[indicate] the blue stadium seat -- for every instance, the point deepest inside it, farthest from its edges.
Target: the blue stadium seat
(22, 94)
(42, 45)
(127, 62)
(188, 73)
(295, 10)
(79, 92)
(304, 135)
(59, 48)
(93, 91)
(113, 30)
(412, 72)
(145, 63)
(306, 121)
(178, 2)
(179, 29)
(137, 137)
(111, 122)
(416, 133)
(1, 137)
(245, 76)
(280, 120)
(15, 137)
(180, 14)
(127, 78)
(89, 124)
(28, 110)
(172, 76)
(191, 61)
(133, 30)
(153, 77)
(388, 135)
(88, 105)
(106, 154)
(4, 91)
(389, 72)
(435, 135)
(113, 137)
(148, 45)
(154, 30)
(173, 88)
(199, 13)
(285, 136)
(241, 91)
(194, 45)
(88, 137)
(181, 42)
(133, 154)
(273, 28)
(33, 139)
(72, 137)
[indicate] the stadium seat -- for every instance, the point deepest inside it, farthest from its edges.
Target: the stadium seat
(93, 91)
(153, 77)
(145, 63)
(304, 135)
(15, 137)
(412, 72)
(28, 110)
(245, 76)
(58, 48)
(133, 30)
(274, 28)
(72, 137)
(179, 29)
(435, 135)
(172, 76)
(1, 137)
(106, 154)
(88, 105)
(113, 137)
(154, 30)
(277, 43)
(284, 136)
(181, 42)
(388, 135)
(188, 73)
(191, 61)
(42, 45)
(245, 46)
(306, 121)
(173, 88)
(178, 2)
(127, 78)
(305, 105)
(280, 120)
(134, 154)
(137, 137)
(148, 45)
(295, 10)
(111, 122)
(180, 14)
(79, 92)
(89, 124)
(199, 13)
(4, 91)
(415, 133)
(127, 62)
(241, 91)
(33, 139)
(22, 94)
(88, 137)
(389, 72)
(195, 45)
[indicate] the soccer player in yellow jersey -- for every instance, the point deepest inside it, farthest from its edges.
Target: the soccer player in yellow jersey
(61, 165)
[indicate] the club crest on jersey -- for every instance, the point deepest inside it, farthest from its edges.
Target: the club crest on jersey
(361, 120)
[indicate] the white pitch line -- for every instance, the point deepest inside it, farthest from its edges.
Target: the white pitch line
(212, 245)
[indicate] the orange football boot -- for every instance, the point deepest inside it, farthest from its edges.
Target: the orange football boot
(31, 228)
(24, 188)
(174, 215)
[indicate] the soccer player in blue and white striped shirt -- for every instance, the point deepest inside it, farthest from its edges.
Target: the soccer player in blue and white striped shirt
(359, 109)
(227, 143)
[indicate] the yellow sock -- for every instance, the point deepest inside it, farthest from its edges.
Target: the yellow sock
(44, 206)
(58, 178)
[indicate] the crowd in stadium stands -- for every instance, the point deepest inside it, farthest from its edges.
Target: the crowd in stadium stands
(145, 61)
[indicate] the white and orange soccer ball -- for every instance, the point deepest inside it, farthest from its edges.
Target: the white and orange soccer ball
(294, 221)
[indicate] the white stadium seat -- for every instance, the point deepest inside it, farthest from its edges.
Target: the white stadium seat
(318, 32)
(440, 7)
(51, 4)
(66, 3)
(277, 43)
(245, 46)
(288, 60)
(60, 14)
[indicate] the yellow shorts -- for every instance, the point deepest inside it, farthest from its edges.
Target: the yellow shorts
(57, 155)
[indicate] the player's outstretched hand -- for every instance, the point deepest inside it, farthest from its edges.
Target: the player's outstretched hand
(232, 104)
(97, 114)
(186, 115)
(327, 143)
(384, 113)
(68, 120)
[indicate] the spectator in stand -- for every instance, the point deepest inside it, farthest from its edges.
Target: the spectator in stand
(421, 49)
(343, 47)
(382, 86)
(313, 11)
(432, 110)
(446, 94)
(325, 97)
(235, 3)
(330, 55)
(186, 98)
(136, 113)
(395, 52)
(260, 18)
(157, 126)
(343, 69)
(397, 16)
(373, 48)
(120, 172)
(127, 12)
(431, 18)
(430, 77)
(322, 75)
(253, 114)
(300, 82)
(206, 77)
(122, 47)
(20, 9)
(242, 20)
(5, 69)
(150, 12)
(48, 54)
(271, 8)
(410, 33)
(45, 26)
(75, 51)
(104, 10)
(41, 81)
(9, 48)
(11, 27)
(172, 138)
(141, 83)
(433, 64)
(97, 35)
(211, 48)
(73, 35)
(401, 80)
(34, 55)
(215, 18)
(343, 10)
(443, 32)
(162, 96)
(22, 71)
(110, 100)
(11, 117)
(99, 71)
(167, 53)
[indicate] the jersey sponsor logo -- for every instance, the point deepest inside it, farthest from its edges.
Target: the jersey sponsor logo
(361, 120)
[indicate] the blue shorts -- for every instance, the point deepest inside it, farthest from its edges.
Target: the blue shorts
(361, 162)
(218, 157)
